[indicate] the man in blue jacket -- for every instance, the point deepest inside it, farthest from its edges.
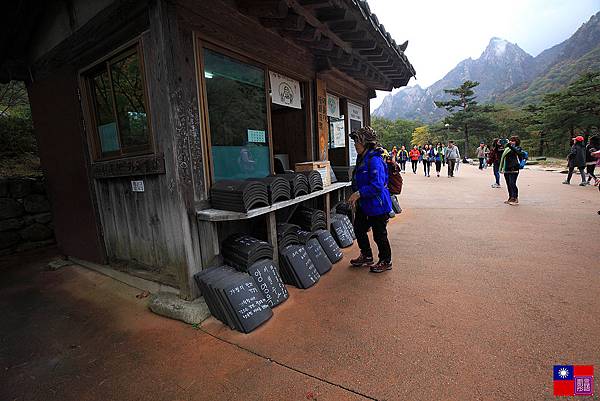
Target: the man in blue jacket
(371, 200)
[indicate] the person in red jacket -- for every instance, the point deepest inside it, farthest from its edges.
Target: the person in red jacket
(414, 155)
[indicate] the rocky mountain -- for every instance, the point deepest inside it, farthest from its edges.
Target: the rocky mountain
(506, 74)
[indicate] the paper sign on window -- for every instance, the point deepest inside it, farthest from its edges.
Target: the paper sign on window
(284, 91)
(257, 136)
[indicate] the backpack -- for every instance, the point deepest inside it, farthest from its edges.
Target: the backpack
(523, 160)
(395, 180)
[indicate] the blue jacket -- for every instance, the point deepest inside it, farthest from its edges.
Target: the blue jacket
(371, 177)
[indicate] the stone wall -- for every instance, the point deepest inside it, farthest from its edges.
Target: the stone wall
(25, 218)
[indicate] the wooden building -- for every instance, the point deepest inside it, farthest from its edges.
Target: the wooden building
(167, 97)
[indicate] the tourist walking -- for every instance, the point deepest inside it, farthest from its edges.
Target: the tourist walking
(452, 155)
(494, 160)
(510, 167)
(371, 200)
(576, 158)
(481, 154)
(414, 155)
(438, 155)
(402, 158)
(590, 160)
(426, 160)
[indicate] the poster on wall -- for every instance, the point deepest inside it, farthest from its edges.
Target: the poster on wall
(355, 115)
(285, 91)
(333, 106)
(338, 139)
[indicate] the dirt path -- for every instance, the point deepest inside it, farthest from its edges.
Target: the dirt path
(483, 299)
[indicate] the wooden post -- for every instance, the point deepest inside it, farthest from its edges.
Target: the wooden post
(322, 122)
(272, 234)
(327, 209)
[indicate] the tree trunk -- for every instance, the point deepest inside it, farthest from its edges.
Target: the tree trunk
(542, 140)
(466, 142)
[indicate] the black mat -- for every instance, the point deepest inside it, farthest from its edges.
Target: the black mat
(331, 248)
(266, 276)
(297, 268)
(239, 195)
(340, 232)
(242, 251)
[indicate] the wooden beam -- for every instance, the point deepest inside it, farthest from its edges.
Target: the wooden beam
(363, 44)
(264, 8)
(342, 26)
(355, 35)
(331, 14)
(290, 23)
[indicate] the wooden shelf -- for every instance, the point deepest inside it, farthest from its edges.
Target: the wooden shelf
(226, 215)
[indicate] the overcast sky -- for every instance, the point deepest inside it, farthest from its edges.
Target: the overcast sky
(441, 33)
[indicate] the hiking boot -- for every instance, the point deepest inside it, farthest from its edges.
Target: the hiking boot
(516, 200)
(381, 266)
(362, 260)
(513, 202)
(566, 182)
(508, 200)
(583, 184)
(495, 185)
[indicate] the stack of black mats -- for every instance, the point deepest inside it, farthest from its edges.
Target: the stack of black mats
(278, 188)
(315, 251)
(309, 219)
(233, 298)
(344, 208)
(242, 251)
(297, 268)
(298, 183)
(331, 248)
(342, 230)
(238, 196)
(255, 257)
(315, 181)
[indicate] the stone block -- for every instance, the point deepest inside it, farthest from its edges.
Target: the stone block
(11, 224)
(58, 263)
(10, 208)
(21, 187)
(4, 192)
(27, 246)
(36, 204)
(39, 187)
(43, 218)
(170, 305)
(8, 239)
(36, 232)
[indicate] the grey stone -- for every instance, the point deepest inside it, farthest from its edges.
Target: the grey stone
(36, 232)
(9, 239)
(43, 218)
(27, 246)
(58, 263)
(11, 224)
(36, 204)
(170, 305)
(4, 187)
(10, 208)
(21, 187)
(39, 187)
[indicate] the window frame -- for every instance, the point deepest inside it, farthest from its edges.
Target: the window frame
(87, 75)
(200, 45)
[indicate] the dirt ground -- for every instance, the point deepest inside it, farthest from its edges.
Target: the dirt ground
(483, 300)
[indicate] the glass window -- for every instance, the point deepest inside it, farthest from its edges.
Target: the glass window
(237, 114)
(120, 107)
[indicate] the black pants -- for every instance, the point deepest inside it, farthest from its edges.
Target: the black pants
(426, 167)
(451, 164)
(581, 171)
(481, 159)
(511, 184)
(362, 223)
(590, 171)
(403, 165)
(414, 165)
(438, 166)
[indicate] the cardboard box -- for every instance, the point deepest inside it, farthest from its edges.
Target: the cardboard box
(322, 166)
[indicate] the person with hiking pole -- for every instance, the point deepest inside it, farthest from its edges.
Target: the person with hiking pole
(371, 200)
(510, 165)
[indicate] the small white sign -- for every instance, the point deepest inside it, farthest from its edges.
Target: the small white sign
(285, 91)
(257, 136)
(137, 186)
(355, 112)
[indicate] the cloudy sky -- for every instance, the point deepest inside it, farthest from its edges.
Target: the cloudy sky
(441, 33)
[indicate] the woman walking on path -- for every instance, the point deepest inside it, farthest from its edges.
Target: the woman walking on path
(590, 160)
(372, 201)
(576, 158)
(494, 160)
(452, 156)
(401, 158)
(414, 158)
(481, 154)
(426, 160)
(509, 166)
(438, 155)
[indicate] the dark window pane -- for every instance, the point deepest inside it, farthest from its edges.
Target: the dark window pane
(107, 127)
(130, 102)
(237, 113)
